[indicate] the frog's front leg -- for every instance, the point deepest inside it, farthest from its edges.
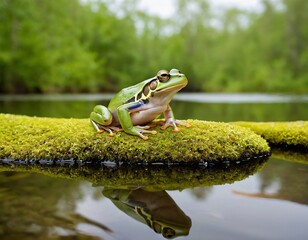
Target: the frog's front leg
(124, 114)
(101, 118)
(170, 121)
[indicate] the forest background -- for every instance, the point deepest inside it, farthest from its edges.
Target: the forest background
(86, 46)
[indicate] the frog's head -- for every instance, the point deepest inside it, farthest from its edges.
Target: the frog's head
(163, 86)
(172, 81)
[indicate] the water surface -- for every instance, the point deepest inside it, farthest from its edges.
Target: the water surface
(269, 204)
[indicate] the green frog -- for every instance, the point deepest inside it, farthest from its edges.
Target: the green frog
(133, 108)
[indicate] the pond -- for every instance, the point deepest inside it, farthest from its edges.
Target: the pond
(255, 200)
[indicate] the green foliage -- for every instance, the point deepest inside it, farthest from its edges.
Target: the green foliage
(84, 46)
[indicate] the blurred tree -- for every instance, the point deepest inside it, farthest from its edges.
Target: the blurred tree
(297, 38)
(41, 51)
(91, 46)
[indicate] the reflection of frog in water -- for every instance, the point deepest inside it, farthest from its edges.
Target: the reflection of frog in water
(156, 209)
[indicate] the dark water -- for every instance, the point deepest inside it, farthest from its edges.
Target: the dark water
(268, 204)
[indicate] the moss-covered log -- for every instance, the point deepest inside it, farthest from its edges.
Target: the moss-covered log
(289, 135)
(33, 138)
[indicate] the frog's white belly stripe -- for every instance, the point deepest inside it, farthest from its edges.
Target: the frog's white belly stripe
(147, 115)
(141, 116)
(151, 109)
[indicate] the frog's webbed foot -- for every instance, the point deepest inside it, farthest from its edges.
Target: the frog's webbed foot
(117, 129)
(144, 127)
(182, 123)
(108, 129)
(140, 130)
(173, 123)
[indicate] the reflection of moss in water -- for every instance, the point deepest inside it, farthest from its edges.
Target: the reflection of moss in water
(292, 156)
(150, 177)
(38, 207)
(24, 138)
(283, 134)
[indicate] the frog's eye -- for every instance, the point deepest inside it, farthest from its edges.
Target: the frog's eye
(163, 76)
(168, 233)
(174, 71)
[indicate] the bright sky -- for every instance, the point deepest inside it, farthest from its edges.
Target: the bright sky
(165, 8)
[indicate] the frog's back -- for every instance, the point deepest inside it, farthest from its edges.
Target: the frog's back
(126, 95)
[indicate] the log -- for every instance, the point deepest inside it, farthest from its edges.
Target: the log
(36, 138)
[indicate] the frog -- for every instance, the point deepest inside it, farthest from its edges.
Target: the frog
(133, 109)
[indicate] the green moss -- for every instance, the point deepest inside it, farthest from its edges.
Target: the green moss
(283, 134)
(34, 138)
(152, 177)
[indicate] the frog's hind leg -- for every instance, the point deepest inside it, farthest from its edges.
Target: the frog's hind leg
(101, 118)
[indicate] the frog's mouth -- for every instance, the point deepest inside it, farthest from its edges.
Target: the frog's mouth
(165, 95)
(174, 88)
